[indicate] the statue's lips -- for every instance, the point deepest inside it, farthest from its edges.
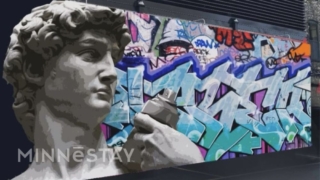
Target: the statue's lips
(103, 93)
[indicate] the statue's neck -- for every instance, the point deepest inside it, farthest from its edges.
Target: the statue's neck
(63, 146)
(52, 131)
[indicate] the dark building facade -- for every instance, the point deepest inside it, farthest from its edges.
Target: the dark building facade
(280, 18)
(288, 14)
(312, 15)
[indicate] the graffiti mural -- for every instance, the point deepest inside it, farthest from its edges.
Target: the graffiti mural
(239, 93)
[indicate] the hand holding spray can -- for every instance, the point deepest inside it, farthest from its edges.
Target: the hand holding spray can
(163, 109)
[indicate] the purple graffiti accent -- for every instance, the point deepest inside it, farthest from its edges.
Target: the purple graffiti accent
(288, 145)
(304, 144)
(146, 98)
(225, 156)
(105, 130)
(296, 142)
(257, 151)
(284, 146)
(223, 89)
(203, 151)
(134, 31)
(291, 146)
(300, 143)
(263, 147)
(199, 96)
(218, 94)
(145, 17)
(270, 149)
(202, 95)
(258, 98)
(217, 116)
(232, 155)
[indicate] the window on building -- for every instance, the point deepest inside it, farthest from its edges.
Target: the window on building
(313, 37)
(313, 30)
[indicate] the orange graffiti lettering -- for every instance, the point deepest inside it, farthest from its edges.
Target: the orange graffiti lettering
(242, 41)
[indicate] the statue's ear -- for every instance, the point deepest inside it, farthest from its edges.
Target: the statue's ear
(33, 69)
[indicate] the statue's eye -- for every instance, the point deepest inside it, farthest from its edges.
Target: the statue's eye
(89, 55)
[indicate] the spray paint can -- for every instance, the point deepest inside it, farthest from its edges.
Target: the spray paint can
(163, 108)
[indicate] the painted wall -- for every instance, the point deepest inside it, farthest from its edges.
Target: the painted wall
(239, 93)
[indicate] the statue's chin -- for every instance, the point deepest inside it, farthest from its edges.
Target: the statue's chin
(102, 105)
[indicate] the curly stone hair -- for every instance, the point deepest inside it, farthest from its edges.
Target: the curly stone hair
(40, 36)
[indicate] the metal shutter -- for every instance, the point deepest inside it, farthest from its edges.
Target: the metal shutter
(283, 13)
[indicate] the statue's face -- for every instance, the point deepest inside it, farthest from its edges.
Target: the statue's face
(83, 77)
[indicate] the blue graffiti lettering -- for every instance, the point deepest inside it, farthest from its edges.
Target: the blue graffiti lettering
(204, 43)
(197, 120)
